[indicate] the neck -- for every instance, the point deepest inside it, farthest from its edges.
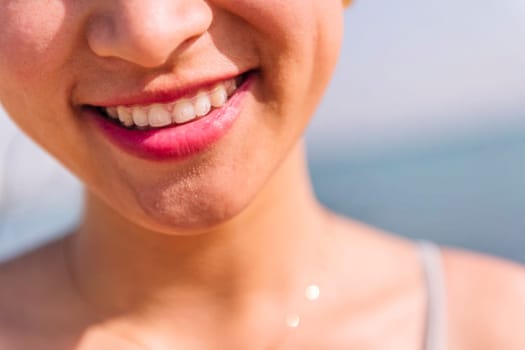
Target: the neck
(269, 249)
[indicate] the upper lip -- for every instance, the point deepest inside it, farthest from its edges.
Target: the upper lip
(160, 94)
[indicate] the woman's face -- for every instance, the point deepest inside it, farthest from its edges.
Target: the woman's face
(70, 68)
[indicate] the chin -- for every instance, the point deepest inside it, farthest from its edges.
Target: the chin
(182, 209)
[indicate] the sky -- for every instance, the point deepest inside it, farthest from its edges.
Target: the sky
(416, 72)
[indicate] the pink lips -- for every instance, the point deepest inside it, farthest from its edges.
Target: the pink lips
(176, 141)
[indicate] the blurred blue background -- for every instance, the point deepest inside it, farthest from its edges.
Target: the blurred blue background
(421, 132)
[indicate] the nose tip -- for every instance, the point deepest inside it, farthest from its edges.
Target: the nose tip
(147, 33)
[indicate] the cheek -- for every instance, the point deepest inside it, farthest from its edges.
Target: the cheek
(298, 42)
(29, 37)
(32, 50)
(278, 22)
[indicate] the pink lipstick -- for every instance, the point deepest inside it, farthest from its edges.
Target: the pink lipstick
(176, 141)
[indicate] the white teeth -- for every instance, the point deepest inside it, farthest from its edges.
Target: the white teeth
(219, 96)
(159, 116)
(125, 116)
(112, 112)
(183, 112)
(202, 104)
(140, 117)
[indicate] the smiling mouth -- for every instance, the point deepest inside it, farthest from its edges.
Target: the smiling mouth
(176, 128)
(179, 111)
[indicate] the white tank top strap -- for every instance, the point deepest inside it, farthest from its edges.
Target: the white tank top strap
(436, 318)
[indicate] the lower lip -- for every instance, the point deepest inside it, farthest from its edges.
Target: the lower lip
(177, 141)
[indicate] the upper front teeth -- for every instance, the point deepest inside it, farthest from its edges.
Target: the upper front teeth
(158, 116)
(181, 111)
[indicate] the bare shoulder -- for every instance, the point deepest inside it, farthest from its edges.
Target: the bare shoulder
(486, 298)
(21, 276)
(485, 294)
(31, 294)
